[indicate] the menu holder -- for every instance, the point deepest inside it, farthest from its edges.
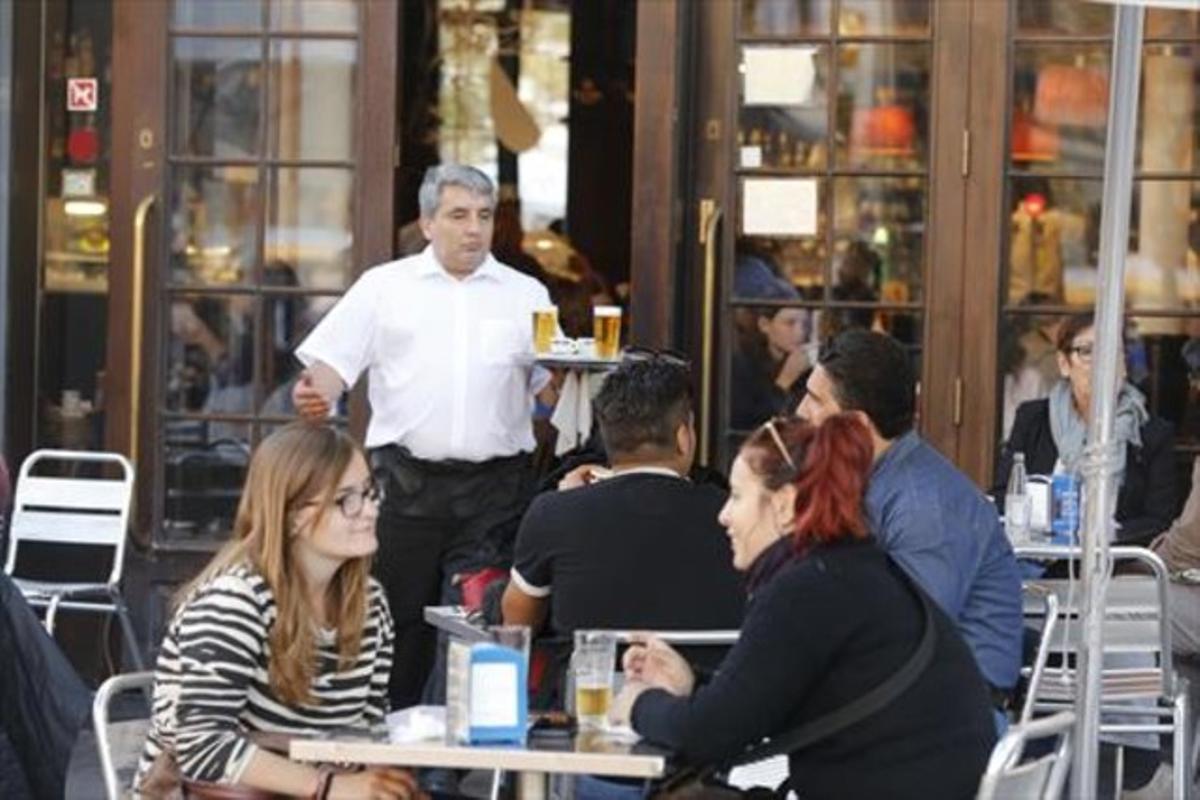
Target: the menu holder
(486, 700)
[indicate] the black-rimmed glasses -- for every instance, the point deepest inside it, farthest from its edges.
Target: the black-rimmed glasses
(352, 502)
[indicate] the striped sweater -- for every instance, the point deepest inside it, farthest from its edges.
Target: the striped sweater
(211, 687)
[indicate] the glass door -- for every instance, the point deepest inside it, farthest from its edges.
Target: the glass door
(815, 179)
(252, 181)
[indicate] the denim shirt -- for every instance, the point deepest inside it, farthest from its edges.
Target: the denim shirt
(946, 534)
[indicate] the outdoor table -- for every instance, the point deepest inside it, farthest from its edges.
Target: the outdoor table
(584, 753)
(458, 621)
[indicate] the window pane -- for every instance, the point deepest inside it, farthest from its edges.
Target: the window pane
(799, 261)
(338, 16)
(1042, 17)
(286, 320)
(879, 225)
(1028, 364)
(785, 17)
(1162, 271)
(214, 225)
(313, 98)
(872, 17)
(217, 92)
(310, 225)
(790, 136)
(1169, 123)
(204, 477)
(210, 354)
(883, 105)
(218, 14)
(773, 350)
(1172, 22)
(1060, 108)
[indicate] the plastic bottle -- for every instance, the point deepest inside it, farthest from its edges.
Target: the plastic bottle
(1017, 502)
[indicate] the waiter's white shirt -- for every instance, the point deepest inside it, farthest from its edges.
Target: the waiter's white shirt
(449, 361)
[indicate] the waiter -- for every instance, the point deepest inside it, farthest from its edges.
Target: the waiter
(446, 339)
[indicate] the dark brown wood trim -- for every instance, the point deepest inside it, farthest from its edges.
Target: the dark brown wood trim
(944, 268)
(986, 223)
(655, 174)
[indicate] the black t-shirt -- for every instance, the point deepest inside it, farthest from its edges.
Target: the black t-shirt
(641, 550)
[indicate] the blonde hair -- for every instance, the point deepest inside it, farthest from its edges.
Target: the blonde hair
(298, 465)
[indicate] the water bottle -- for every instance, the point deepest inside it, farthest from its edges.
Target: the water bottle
(1017, 502)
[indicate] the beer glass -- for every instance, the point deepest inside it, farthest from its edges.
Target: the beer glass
(592, 663)
(606, 329)
(545, 328)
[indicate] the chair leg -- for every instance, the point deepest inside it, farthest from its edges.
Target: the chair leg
(497, 781)
(127, 633)
(52, 614)
(1181, 723)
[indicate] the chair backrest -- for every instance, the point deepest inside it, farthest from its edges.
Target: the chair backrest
(1049, 624)
(1040, 778)
(72, 510)
(119, 744)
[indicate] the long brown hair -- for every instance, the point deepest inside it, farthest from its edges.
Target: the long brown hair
(296, 465)
(829, 464)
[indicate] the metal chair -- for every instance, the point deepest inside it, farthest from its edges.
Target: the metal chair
(1034, 673)
(1135, 625)
(87, 513)
(119, 743)
(1041, 778)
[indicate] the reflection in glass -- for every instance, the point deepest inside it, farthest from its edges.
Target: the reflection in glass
(1036, 17)
(285, 323)
(1169, 129)
(328, 16)
(879, 224)
(871, 17)
(312, 99)
(310, 224)
(1163, 271)
(1172, 22)
(218, 14)
(217, 89)
(786, 136)
(798, 260)
(203, 478)
(883, 105)
(1060, 107)
(1027, 360)
(210, 354)
(774, 350)
(214, 216)
(785, 17)
(1165, 359)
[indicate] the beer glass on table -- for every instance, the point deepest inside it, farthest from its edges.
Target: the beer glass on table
(606, 329)
(592, 663)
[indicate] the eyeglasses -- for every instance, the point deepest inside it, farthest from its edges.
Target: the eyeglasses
(635, 354)
(1084, 351)
(352, 503)
(783, 451)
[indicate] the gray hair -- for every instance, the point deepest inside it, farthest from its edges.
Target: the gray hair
(442, 175)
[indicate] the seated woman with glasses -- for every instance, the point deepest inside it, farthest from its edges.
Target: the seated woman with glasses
(1052, 433)
(830, 620)
(284, 632)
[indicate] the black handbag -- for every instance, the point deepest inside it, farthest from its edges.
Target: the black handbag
(703, 783)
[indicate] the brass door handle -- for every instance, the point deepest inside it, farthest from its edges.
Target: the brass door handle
(136, 321)
(710, 218)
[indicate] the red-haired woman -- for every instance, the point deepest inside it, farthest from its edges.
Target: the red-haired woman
(830, 619)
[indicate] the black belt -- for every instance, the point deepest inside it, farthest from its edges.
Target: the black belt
(395, 453)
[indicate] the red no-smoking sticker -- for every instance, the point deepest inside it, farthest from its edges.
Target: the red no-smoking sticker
(83, 94)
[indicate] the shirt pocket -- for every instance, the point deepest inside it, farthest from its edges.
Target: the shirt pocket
(500, 342)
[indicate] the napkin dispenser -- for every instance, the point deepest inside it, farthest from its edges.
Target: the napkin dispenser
(486, 701)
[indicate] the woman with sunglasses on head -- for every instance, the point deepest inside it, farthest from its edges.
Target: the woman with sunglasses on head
(830, 620)
(284, 632)
(1052, 433)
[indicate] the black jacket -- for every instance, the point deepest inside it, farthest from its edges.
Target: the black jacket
(820, 632)
(1149, 496)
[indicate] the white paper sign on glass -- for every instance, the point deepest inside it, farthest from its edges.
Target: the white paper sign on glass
(778, 76)
(779, 206)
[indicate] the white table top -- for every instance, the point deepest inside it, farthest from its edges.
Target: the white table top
(582, 754)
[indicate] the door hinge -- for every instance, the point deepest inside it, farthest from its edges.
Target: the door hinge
(966, 152)
(958, 401)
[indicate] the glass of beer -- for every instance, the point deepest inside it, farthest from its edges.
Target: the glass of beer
(606, 329)
(592, 662)
(545, 328)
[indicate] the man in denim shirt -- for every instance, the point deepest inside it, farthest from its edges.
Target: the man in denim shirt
(928, 516)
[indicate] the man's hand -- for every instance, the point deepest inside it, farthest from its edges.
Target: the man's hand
(309, 401)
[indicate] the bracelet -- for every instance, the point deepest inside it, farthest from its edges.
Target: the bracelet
(324, 783)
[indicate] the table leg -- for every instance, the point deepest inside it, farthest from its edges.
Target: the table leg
(531, 785)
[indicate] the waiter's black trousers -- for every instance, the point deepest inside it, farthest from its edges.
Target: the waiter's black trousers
(433, 524)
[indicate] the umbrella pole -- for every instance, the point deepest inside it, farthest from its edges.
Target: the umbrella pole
(1099, 462)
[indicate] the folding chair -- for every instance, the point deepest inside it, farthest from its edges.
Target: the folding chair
(1039, 779)
(1135, 624)
(119, 743)
(90, 514)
